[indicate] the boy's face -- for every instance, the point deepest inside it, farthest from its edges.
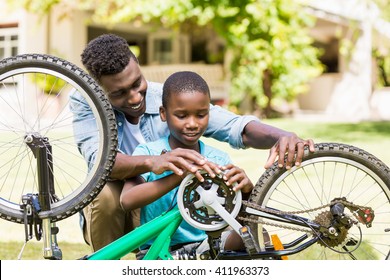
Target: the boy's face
(126, 91)
(187, 116)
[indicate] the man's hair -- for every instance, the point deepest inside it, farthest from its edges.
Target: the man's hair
(184, 81)
(105, 55)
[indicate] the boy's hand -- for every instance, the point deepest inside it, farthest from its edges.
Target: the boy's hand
(235, 175)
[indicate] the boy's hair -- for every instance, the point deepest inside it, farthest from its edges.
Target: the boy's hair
(184, 81)
(105, 55)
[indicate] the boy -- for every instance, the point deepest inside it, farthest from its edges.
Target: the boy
(185, 109)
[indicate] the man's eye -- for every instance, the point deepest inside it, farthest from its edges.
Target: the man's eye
(117, 93)
(137, 83)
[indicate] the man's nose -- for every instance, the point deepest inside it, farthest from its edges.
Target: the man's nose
(133, 95)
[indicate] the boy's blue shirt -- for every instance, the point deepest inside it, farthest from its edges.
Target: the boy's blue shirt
(185, 233)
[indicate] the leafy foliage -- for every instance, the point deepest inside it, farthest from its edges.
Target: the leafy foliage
(272, 55)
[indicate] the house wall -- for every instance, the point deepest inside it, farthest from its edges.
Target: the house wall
(64, 37)
(345, 93)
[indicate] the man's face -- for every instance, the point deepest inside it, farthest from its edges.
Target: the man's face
(187, 116)
(126, 91)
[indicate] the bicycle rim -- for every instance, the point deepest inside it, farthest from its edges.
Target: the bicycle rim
(35, 97)
(333, 171)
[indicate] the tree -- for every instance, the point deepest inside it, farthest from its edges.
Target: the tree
(272, 55)
(383, 60)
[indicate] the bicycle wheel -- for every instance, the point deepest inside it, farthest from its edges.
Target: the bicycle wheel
(35, 96)
(332, 171)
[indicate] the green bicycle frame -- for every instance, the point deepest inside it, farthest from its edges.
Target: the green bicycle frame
(161, 228)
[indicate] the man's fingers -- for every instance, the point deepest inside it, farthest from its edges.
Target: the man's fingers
(189, 155)
(299, 153)
(311, 145)
(273, 153)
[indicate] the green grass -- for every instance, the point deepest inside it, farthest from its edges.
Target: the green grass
(34, 250)
(373, 137)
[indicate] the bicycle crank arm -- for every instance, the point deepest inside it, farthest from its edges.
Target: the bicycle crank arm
(243, 231)
(210, 198)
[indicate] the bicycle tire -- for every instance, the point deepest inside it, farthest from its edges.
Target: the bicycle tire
(334, 170)
(35, 97)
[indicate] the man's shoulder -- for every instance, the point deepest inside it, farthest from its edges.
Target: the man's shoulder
(155, 88)
(153, 97)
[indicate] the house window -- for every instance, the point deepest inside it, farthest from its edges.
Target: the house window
(168, 48)
(330, 55)
(9, 41)
(162, 51)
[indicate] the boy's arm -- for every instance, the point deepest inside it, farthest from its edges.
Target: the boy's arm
(137, 193)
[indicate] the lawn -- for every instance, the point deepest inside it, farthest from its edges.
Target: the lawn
(373, 137)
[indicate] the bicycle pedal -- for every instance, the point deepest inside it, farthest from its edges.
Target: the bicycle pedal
(247, 237)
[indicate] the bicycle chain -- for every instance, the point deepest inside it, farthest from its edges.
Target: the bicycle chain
(271, 211)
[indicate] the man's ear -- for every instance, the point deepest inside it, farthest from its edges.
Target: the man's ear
(163, 114)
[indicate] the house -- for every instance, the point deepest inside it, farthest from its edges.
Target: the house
(345, 91)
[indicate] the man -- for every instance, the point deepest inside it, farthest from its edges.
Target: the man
(136, 102)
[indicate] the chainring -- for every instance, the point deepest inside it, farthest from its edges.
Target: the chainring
(202, 216)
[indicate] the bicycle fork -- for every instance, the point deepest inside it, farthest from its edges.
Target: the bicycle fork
(34, 204)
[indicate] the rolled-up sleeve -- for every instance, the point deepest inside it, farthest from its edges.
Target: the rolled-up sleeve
(84, 128)
(228, 127)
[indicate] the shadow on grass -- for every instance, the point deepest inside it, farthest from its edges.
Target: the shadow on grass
(339, 132)
(347, 131)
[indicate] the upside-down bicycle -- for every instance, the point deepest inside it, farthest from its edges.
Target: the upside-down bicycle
(335, 205)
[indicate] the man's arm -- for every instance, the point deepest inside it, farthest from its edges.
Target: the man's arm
(178, 161)
(280, 142)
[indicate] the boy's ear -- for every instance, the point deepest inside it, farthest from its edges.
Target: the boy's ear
(163, 114)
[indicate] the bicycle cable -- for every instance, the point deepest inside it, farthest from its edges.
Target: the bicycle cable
(331, 248)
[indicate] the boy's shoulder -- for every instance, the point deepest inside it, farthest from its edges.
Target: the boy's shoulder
(152, 148)
(214, 154)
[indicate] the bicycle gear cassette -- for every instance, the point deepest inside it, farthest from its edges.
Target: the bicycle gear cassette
(325, 219)
(196, 201)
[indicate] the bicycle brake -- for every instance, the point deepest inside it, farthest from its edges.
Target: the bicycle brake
(31, 207)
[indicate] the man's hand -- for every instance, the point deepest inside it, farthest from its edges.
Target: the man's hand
(181, 161)
(291, 145)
